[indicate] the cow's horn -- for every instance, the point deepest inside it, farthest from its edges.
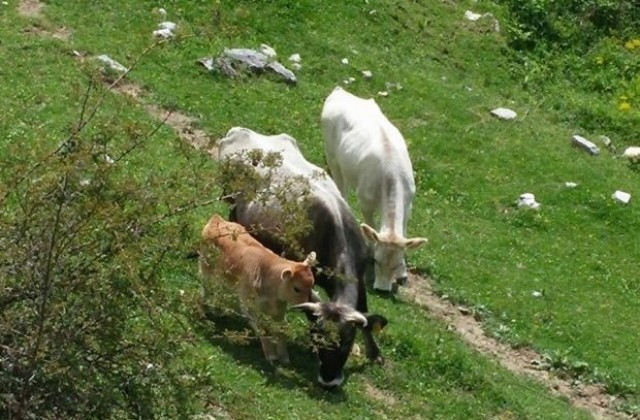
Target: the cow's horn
(310, 258)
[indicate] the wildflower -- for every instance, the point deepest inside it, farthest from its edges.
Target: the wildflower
(600, 60)
(630, 45)
(624, 106)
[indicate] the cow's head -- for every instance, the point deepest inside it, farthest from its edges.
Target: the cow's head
(334, 334)
(297, 281)
(388, 253)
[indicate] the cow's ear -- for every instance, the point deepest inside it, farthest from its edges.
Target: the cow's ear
(370, 232)
(376, 323)
(286, 274)
(415, 242)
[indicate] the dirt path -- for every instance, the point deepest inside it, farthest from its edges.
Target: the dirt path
(591, 397)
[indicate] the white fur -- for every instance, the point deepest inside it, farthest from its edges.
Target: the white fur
(366, 152)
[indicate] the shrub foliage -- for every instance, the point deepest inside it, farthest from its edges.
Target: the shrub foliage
(88, 328)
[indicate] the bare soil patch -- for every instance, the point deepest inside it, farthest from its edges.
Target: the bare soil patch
(30, 8)
(591, 397)
(181, 123)
(62, 33)
(385, 397)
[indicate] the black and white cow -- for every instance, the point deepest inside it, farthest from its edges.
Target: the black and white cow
(334, 234)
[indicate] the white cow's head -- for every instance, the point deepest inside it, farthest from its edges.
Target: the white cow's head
(390, 265)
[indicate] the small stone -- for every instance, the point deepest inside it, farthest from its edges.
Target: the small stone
(345, 61)
(114, 65)
(367, 74)
(570, 184)
(268, 51)
(295, 58)
(469, 15)
(167, 25)
(621, 196)
(585, 144)
(163, 33)
(463, 310)
(383, 93)
(528, 200)
(536, 294)
(504, 113)
(632, 153)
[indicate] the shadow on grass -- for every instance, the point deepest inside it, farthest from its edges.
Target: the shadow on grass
(301, 373)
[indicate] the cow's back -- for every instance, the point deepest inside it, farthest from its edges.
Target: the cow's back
(358, 135)
(334, 233)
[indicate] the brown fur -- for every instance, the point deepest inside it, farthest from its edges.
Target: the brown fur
(265, 281)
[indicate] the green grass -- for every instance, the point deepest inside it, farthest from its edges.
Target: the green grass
(580, 248)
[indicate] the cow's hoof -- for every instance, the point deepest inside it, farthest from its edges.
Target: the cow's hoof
(378, 360)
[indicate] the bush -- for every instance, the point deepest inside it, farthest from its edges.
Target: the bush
(88, 327)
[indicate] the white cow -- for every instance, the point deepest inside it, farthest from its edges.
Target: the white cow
(366, 152)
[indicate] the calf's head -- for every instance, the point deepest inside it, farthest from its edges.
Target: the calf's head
(334, 334)
(388, 253)
(297, 281)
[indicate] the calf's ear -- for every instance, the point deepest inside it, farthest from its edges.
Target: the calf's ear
(370, 232)
(286, 274)
(415, 242)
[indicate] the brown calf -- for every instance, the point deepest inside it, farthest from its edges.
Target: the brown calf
(265, 281)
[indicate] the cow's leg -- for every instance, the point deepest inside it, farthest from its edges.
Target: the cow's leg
(371, 347)
(269, 348)
(281, 349)
(373, 351)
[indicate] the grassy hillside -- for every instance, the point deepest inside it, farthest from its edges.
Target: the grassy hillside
(578, 250)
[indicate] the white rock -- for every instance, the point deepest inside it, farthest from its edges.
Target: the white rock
(469, 15)
(570, 184)
(585, 144)
(352, 79)
(345, 81)
(114, 65)
(167, 25)
(296, 66)
(162, 12)
(109, 159)
(632, 153)
(208, 63)
(504, 113)
(268, 51)
(536, 294)
(528, 200)
(345, 61)
(383, 93)
(295, 58)
(163, 33)
(367, 74)
(621, 196)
